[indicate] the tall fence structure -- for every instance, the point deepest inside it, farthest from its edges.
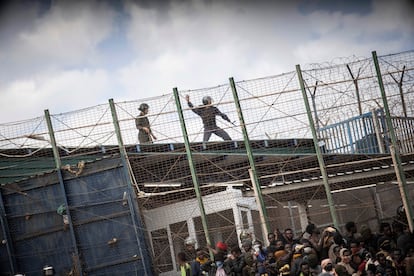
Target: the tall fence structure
(324, 144)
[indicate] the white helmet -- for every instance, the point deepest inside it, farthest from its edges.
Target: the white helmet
(207, 100)
(190, 241)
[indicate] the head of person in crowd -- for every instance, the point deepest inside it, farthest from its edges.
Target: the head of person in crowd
(181, 258)
(219, 259)
(190, 244)
(385, 229)
(244, 235)
(328, 237)
(257, 247)
(327, 265)
(288, 247)
(236, 252)
(309, 231)
(288, 235)
(340, 270)
(298, 251)
(345, 255)
(350, 227)
(271, 238)
(221, 247)
(313, 261)
(385, 246)
(202, 255)
(365, 232)
(304, 268)
(247, 245)
(280, 255)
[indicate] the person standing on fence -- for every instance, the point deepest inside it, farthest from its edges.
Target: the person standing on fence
(145, 135)
(208, 114)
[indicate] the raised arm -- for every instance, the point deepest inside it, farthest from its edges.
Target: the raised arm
(190, 105)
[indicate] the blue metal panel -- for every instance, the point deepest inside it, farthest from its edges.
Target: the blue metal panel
(354, 135)
(104, 230)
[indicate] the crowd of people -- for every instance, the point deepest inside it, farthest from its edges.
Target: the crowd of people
(316, 252)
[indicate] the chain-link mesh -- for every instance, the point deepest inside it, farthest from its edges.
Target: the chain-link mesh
(270, 133)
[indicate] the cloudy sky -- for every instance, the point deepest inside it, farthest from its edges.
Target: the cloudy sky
(67, 55)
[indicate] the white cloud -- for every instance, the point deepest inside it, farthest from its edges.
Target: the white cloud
(56, 60)
(66, 35)
(58, 92)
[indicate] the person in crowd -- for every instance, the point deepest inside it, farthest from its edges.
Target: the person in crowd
(237, 262)
(403, 236)
(260, 256)
(301, 255)
(271, 238)
(397, 259)
(368, 239)
(270, 265)
(334, 254)
(189, 248)
(145, 135)
(351, 232)
(330, 238)
(355, 256)
(314, 264)
(201, 260)
(249, 269)
(304, 269)
(288, 237)
(345, 255)
(409, 260)
(327, 267)
(208, 114)
(185, 268)
(382, 263)
(386, 233)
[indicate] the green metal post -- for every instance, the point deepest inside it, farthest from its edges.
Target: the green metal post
(58, 164)
(318, 149)
(124, 160)
(7, 237)
(399, 171)
(192, 168)
(252, 171)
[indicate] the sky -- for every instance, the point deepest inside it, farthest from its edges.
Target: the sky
(69, 55)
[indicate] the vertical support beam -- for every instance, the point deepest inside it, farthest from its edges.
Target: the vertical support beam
(192, 169)
(377, 130)
(292, 219)
(7, 241)
(238, 223)
(318, 150)
(125, 165)
(58, 164)
(355, 81)
(252, 171)
(263, 214)
(399, 171)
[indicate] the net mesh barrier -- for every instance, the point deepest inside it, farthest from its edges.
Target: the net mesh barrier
(199, 181)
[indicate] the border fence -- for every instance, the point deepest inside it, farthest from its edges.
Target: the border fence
(326, 144)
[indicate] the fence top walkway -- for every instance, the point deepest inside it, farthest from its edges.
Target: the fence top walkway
(224, 163)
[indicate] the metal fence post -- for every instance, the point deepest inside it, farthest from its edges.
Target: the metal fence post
(192, 169)
(125, 164)
(58, 164)
(318, 150)
(6, 235)
(252, 170)
(399, 171)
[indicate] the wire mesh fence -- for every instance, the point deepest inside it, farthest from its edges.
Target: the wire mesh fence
(195, 175)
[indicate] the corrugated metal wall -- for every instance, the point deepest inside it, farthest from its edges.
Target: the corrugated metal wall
(110, 239)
